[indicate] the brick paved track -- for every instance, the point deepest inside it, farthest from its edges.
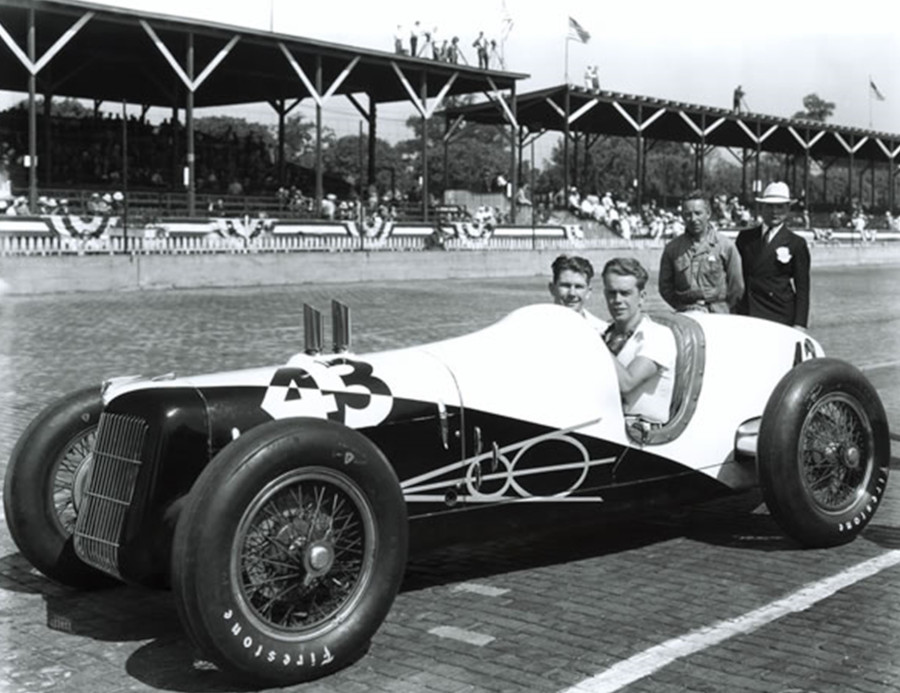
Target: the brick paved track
(559, 607)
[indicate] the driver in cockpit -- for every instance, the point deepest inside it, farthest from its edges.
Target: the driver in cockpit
(644, 351)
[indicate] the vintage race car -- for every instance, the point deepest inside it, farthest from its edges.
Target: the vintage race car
(280, 503)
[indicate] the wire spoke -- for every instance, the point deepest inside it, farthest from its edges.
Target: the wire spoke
(282, 573)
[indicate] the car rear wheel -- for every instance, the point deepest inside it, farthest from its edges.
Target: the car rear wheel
(823, 453)
(45, 478)
(290, 551)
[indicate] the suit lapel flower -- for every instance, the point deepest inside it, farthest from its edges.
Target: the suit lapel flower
(783, 254)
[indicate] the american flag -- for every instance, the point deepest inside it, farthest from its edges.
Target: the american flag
(576, 31)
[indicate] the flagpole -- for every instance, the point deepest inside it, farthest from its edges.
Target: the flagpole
(567, 60)
(870, 101)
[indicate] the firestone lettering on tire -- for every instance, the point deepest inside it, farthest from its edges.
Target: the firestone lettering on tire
(868, 510)
(272, 656)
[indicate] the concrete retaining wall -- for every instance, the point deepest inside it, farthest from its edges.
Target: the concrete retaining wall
(21, 275)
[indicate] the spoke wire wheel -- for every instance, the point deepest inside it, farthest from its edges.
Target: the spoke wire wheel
(69, 476)
(836, 449)
(304, 553)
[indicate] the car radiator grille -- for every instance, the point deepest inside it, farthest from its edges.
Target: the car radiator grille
(114, 474)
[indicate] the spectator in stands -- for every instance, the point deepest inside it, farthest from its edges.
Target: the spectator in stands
(571, 286)
(19, 208)
(776, 264)
(700, 269)
(329, 206)
(522, 196)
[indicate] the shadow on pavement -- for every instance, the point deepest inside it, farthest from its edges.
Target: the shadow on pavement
(169, 663)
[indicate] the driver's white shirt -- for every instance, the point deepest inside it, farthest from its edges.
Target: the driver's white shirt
(653, 398)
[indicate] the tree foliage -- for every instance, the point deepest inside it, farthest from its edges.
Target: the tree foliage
(815, 108)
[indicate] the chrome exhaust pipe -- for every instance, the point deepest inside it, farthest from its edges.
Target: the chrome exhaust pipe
(313, 327)
(340, 326)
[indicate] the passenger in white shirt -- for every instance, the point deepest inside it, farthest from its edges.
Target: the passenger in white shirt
(644, 351)
(571, 286)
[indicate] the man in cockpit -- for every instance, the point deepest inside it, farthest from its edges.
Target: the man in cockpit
(644, 352)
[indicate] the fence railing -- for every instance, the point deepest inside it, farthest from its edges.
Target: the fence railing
(38, 245)
(211, 244)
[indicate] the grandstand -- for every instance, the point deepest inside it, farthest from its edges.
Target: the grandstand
(169, 179)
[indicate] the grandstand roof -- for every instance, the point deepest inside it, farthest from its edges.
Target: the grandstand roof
(112, 56)
(613, 113)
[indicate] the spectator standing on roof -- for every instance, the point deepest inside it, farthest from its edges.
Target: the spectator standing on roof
(481, 47)
(454, 54)
(737, 99)
(414, 34)
(701, 268)
(399, 35)
(495, 62)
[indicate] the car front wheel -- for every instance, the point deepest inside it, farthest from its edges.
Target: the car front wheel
(824, 452)
(45, 480)
(290, 551)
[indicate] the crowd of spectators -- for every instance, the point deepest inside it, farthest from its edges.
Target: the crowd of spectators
(87, 151)
(420, 42)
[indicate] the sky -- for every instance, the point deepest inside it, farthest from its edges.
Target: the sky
(696, 51)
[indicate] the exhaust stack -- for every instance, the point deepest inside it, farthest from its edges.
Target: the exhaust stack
(313, 327)
(340, 326)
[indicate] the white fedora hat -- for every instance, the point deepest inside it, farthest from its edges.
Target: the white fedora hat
(776, 194)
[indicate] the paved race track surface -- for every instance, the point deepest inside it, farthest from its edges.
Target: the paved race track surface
(711, 598)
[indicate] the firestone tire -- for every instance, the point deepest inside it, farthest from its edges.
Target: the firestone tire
(289, 551)
(823, 452)
(47, 472)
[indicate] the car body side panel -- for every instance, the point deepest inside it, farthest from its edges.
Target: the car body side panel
(745, 359)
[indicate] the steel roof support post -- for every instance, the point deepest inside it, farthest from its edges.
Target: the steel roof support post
(319, 176)
(743, 175)
(639, 165)
(872, 198)
(372, 121)
(423, 96)
(806, 163)
(45, 173)
(850, 177)
(279, 107)
(891, 181)
(445, 140)
(756, 181)
(568, 111)
(515, 155)
(189, 129)
(701, 159)
(32, 115)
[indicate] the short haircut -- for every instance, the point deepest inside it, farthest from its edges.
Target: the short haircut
(627, 267)
(574, 263)
(696, 195)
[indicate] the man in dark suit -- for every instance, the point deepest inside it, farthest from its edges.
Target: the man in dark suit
(776, 263)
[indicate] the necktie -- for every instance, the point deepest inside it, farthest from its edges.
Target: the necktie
(616, 340)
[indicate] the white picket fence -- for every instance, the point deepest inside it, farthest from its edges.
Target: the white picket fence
(43, 246)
